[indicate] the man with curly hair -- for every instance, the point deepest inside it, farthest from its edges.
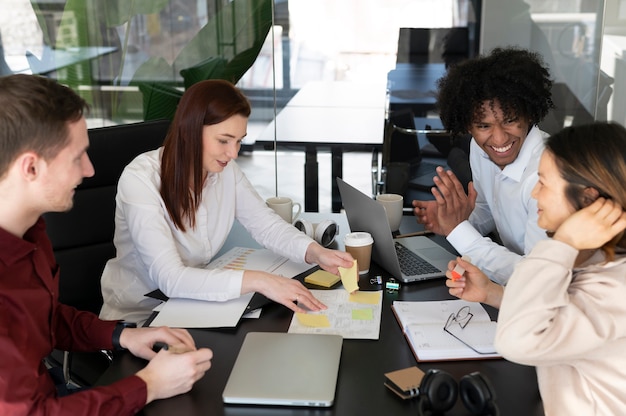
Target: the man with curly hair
(498, 99)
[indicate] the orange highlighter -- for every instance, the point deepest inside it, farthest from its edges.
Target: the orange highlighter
(458, 271)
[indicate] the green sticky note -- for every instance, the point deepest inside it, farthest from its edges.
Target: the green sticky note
(362, 314)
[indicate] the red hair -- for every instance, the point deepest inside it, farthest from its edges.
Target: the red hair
(204, 103)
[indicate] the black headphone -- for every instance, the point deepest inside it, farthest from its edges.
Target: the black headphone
(438, 393)
(324, 232)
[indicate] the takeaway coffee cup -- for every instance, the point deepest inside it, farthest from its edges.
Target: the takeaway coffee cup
(285, 207)
(393, 209)
(359, 244)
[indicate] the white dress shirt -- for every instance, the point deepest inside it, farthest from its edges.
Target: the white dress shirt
(504, 205)
(153, 254)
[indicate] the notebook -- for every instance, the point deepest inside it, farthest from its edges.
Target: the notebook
(275, 368)
(408, 259)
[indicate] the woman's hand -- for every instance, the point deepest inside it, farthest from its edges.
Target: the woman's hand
(286, 291)
(474, 285)
(327, 259)
(592, 226)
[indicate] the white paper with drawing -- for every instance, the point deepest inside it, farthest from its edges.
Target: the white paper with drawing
(353, 316)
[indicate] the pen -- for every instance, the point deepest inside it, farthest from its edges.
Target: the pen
(425, 232)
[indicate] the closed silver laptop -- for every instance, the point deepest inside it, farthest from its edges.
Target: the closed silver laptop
(408, 259)
(284, 369)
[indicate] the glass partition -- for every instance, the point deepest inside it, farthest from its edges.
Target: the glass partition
(132, 59)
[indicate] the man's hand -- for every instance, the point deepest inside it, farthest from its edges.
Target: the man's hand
(140, 341)
(592, 226)
(426, 213)
(169, 374)
(453, 205)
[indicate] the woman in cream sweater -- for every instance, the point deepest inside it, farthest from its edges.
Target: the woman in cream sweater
(563, 309)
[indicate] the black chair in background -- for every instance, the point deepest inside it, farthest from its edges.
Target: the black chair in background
(406, 165)
(433, 45)
(82, 238)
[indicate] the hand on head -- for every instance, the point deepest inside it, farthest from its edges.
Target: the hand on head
(450, 207)
(474, 285)
(592, 226)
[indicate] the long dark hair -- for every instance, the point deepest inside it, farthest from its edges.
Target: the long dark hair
(592, 156)
(204, 103)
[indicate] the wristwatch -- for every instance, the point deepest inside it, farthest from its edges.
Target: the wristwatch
(119, 327)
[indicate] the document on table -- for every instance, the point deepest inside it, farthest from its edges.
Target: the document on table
(191, 313)
(446, 330)
(353, 316)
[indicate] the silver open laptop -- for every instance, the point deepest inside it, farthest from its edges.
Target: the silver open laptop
(408, 259)
(275, 368)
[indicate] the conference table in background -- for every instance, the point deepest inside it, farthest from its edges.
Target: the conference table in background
(334, 116)
(360, 389)
(55, 59)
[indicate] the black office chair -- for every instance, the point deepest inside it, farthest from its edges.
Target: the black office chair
(433, 45)
(82, 238)
(405, 164)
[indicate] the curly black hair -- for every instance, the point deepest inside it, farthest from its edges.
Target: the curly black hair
(516, 78)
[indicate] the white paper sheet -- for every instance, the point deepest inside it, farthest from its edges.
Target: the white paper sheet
(191, 313)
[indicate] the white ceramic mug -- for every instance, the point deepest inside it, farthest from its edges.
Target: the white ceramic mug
(285, 207)
(393, 208)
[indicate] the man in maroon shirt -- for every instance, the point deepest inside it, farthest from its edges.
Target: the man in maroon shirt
(43, 157)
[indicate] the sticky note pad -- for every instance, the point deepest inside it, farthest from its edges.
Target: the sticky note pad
(322, 278)
(350, 277)
(313, 320)
(368, 298)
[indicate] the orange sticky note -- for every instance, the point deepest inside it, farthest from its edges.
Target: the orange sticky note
(458, 271)
(350, 277)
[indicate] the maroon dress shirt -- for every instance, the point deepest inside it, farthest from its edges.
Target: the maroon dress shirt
(33, 322)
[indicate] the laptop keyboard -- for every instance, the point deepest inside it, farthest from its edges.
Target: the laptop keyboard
(411, 264)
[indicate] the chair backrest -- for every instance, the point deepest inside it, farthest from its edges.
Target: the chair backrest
(432, 45)
(400, 146)
(82, 238)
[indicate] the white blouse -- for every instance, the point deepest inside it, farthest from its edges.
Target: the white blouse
(153, 254)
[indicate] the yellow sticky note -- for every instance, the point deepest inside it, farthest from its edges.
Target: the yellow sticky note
(322, 278)
(350, 277)
(363, 314)
(313, 320)
(369, 298)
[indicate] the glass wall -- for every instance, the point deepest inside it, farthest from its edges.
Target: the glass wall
(131, 59)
